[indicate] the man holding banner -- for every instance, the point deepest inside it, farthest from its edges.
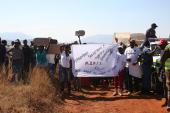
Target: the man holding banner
(132, 53)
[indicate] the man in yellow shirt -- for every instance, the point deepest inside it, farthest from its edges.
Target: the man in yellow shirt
(165, 60)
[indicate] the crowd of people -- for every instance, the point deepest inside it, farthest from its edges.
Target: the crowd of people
(138, 72)
(22, 58)
(136, 65)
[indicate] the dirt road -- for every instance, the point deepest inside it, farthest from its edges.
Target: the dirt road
(102, 101)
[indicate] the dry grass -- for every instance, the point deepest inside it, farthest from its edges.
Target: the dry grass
(39, 96)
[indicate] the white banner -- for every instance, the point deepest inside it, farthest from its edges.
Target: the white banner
(95, 60)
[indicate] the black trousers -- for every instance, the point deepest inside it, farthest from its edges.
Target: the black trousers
(133, 83)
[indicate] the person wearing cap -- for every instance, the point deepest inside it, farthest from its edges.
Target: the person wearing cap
(162, 44)
(17, 61)
(118, 80)
(165, 60)
(151, 33)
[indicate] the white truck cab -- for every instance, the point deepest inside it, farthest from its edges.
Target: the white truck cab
(157, 56)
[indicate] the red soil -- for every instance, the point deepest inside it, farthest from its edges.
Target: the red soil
(102, 101)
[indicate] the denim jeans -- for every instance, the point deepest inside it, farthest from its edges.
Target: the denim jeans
(60, 73)
(51, 68)
(64, 78)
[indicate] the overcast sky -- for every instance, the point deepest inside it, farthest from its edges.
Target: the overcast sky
(61, 18)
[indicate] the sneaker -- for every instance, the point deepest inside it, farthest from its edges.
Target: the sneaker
(115, 93)
(168, 109)
(120, 93)
(165, 104)
(129, 93)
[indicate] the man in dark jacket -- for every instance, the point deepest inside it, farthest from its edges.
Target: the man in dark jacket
(147, 62)
(151, 33)
(26, 53)
(6, 60)
(2, 55)
(27, 57)
(17, 61)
